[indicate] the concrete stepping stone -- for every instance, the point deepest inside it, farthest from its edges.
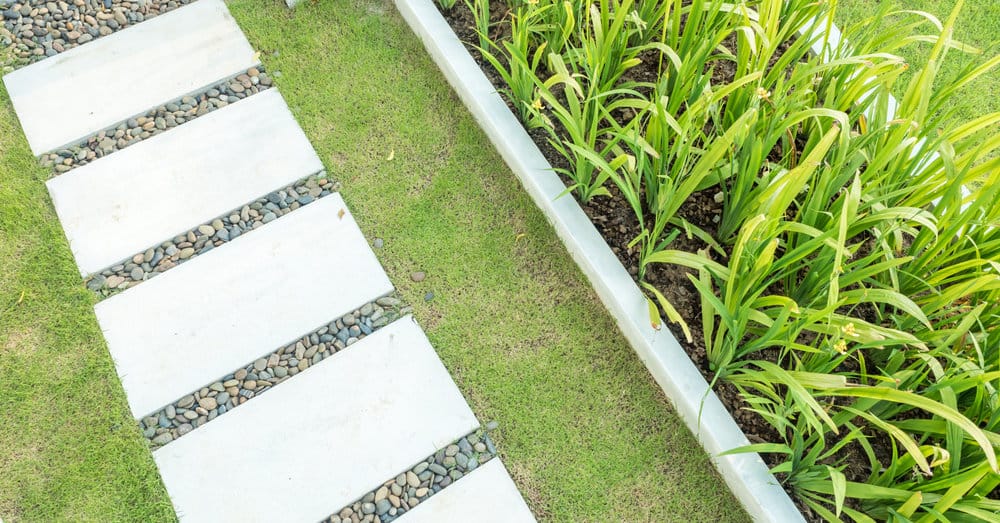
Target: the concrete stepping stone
(203, 319)
(485, 495)
(88, 88)
(145, 194)
(321, 439)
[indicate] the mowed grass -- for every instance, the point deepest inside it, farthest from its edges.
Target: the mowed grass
(69, 449)
(584, 430)
(978, 25)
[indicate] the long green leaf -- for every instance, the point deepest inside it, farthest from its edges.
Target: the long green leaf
(928, 405)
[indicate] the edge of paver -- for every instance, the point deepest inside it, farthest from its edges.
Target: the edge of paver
(484, 479)
(746, 474)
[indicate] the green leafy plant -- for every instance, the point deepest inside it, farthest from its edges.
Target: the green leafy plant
(481, 12)
(850, 288)
(518, 64)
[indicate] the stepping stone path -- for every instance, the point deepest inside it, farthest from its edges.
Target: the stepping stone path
(142, 195)
(355, 403)
(230, 306)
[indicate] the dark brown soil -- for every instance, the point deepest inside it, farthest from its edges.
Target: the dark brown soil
(617, 223)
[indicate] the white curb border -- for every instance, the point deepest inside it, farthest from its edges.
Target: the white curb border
(746, 474)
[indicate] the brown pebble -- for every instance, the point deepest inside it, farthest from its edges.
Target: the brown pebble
(418, 276)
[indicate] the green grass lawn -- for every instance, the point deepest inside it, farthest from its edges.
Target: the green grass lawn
(584, 430)
(69, 450)
(978, 25)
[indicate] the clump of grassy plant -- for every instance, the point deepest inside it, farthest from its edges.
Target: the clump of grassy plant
(522, 70)
(481, 12)
(851, 288)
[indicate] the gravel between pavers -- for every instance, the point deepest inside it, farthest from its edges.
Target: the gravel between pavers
(412, 487)
(207, 236)
(158, 120)
(235, 389)
(36, 30)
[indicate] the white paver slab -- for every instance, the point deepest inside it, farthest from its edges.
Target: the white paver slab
(90, 87)
(485, 495)
(205, 318)
(321, 439)
(145, 194)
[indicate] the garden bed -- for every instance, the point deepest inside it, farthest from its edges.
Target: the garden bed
(618, 226)
(745, 474)
(533, 159)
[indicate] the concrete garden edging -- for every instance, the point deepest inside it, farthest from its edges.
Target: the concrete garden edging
(746, 474)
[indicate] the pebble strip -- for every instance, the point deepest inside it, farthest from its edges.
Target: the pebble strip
(35, 30)
(235, 389)
(394, 497)
(157, 120)
(205, 237)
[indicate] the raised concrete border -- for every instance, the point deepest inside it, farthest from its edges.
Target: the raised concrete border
(746, 474)
(323, 438)
(203, 319)
(485, 495)
(91, 87)
(142, 195)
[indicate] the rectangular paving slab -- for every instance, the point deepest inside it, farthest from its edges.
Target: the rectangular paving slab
(76, 93)
(145, 194)
(195, 323)
(321, 439)
(485, 495)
